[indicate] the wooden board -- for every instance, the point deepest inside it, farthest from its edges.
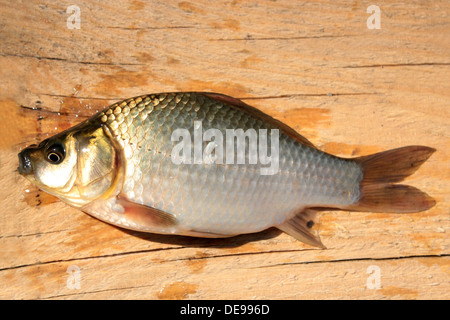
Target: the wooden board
(316, 66)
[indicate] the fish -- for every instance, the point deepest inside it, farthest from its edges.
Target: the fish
(203, 165)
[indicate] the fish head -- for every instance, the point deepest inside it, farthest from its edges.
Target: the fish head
(78, 165)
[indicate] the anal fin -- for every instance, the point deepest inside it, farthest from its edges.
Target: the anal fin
(301, 227)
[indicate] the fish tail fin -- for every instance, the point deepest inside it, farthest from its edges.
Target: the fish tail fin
(381, 170)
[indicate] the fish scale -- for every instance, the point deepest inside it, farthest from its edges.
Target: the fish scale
(227, 198)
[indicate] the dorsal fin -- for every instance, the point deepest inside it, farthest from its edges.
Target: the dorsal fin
(238, 104)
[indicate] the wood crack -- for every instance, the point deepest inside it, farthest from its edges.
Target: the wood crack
(293, 95)
(40, 263)
(388, 65)
(32, 234)
(355, 260)
(225, 256)
(94, 291)
(150, 28)
(249, 37)
(70, 61)
(77, 97)
(45, 111)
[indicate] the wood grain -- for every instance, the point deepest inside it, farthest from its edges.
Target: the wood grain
(313, 65)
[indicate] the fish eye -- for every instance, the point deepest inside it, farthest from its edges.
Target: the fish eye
(55, 153)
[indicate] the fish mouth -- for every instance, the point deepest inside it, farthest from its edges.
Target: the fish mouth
(25, 164)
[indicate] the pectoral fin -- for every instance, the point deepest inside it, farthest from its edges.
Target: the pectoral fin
(301, 228)
(147, 217)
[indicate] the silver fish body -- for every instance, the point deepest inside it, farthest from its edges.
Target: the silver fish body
(151, 192)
